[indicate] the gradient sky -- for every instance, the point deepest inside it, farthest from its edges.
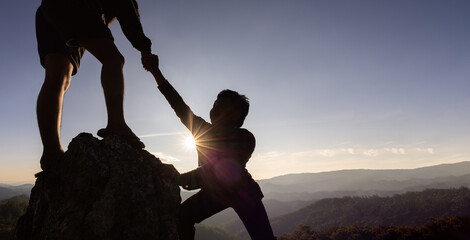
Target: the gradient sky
(332, 84)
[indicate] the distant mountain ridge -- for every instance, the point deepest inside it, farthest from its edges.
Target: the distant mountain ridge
(412, 208)
(408, 209)
(356, 182)
(8, 191)
(289, 193)
(359, 182)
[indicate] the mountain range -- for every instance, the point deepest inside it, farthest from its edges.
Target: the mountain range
(365, 182)
(290, 193)
(8, 191)
(293, 192)
(356, 182)
(410, 209)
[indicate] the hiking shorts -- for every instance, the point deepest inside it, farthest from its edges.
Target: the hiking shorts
(60, 22)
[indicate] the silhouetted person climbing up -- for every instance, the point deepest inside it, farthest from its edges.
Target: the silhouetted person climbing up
(64, 30)
(223, 149)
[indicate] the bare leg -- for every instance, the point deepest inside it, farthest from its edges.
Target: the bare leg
(49, 106)
(112, 80)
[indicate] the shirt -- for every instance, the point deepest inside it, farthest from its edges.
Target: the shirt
(222, 152)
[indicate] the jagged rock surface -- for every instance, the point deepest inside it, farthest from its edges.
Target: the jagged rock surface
(105, 190)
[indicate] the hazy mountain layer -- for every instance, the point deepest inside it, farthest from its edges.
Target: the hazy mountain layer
(307, 186)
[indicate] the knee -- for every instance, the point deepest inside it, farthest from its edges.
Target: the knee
(66, 83)
(57, 81)
(119, 59)
(58, 75)
(56, 84)
(116, 59)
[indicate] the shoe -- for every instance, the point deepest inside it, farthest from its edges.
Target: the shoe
(49, 162)
(134, 141)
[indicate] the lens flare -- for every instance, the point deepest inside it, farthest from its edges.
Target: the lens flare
(189, 143)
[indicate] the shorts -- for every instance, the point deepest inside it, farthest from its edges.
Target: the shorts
(60, 22)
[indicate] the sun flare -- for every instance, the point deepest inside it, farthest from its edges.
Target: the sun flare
(189, 143)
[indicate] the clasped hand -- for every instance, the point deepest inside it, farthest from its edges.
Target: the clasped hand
(149, 61)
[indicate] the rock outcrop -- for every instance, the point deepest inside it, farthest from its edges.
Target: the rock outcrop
(105, 190)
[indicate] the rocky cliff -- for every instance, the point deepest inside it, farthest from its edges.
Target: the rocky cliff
(105, 189)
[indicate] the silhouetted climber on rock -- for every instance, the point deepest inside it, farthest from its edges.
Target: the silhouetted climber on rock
(223, 149)
(65, 29)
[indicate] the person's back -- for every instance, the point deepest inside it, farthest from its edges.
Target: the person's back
(222, 156)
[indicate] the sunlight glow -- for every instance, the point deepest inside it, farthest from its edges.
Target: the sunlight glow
(189, 143)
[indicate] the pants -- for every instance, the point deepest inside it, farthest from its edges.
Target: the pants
(203, 205)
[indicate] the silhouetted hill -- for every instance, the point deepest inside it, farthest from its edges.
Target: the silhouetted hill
(289, 193)
(296, 191)
(204, 232)
(413, 208)
(455, 228)
(273, 207)
(361, 182)
(10, 210)
(8, 191)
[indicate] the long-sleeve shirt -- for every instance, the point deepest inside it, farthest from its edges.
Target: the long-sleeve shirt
(222, 153)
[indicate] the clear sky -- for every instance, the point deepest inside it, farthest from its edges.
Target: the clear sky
(333, 84)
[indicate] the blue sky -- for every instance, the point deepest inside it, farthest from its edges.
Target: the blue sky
(332, 84)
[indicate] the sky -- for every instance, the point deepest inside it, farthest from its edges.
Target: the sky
(335, 84)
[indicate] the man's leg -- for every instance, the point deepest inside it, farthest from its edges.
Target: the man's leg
(255, 219)
(194, 210)
(49, 106)
(112, 80)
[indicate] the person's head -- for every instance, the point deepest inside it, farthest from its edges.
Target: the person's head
(229, 109)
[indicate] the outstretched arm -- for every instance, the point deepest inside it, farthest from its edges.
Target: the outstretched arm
(150, 63)
(194, 123)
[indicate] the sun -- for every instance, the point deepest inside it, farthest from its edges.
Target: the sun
(189, 143)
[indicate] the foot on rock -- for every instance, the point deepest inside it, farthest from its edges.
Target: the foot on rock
(49, 161)
(132, 139)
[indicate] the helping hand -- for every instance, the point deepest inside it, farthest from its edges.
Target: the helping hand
(149, 61)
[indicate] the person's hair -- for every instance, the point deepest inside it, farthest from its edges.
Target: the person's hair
(239, 101)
